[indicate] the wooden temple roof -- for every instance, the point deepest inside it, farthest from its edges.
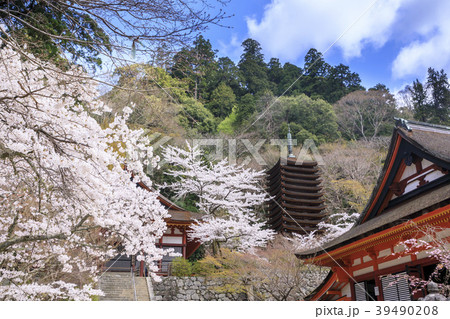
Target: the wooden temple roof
(297, 203)
(177, 214)
(415, 180)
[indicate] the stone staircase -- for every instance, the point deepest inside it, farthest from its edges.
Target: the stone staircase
(119, 286)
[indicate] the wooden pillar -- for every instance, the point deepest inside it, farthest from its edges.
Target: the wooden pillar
(184, 242)
(141, 269)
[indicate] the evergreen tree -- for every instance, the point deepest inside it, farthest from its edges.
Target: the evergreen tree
(419, 101)
(380, 87)
(275, 74)
(221, 101)
(341, 81)
(315, 65)
(289, 81)
(437, 84)
(196, 65)
(245, 108)
(252, 68)
(226, 72)
(316, 70)
(431, 102)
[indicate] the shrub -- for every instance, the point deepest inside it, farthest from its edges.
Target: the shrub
(181, 267)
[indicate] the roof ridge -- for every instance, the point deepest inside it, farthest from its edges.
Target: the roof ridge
(400, 122)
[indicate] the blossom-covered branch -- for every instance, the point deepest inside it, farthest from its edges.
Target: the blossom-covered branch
(227, 194)
(65, 199)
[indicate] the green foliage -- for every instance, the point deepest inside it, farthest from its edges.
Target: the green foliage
(419, 98)
(199, 254)
(224, 268)
(245, 109)
(289, 80)
(227, 126)
(196, 64)
(222, 101)
(304, 135)
(431, 102)
(253, 68)
(181, 267)
(154, 108)
(48, 30)
(144, 77)
(196, 117)
(314, 119)
(353, 194)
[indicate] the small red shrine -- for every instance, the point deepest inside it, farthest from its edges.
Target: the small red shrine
(175, 237)
(413, 191)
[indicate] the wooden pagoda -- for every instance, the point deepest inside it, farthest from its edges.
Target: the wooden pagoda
(297, 203)
(412, 194)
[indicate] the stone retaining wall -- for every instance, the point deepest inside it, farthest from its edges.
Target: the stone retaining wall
(192, 288)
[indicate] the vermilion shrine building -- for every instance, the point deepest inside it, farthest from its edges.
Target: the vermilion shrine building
(175, 237)
(413, 191)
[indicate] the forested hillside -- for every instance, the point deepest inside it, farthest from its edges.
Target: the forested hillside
(196, 93)
(193, 93)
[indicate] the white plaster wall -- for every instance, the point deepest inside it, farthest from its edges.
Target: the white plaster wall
(394, 262)
(362, 271)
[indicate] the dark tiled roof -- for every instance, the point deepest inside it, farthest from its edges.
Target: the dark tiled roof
(393, 216)
(184, 216)
(431, 139)
(434, 139)
(296, 205)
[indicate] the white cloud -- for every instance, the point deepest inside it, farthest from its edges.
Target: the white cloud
(289, 27)
(432, 47)
(420, 28)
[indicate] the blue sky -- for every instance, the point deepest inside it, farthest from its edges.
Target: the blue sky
(385, 41)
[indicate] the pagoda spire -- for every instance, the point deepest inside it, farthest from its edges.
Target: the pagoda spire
(289, 138)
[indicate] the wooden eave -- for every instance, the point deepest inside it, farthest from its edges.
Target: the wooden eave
(293, 161)
(329, 256)
(302, 188)
(297, 206)
(320, 291)
(300, 182)
(302, 200)
(294, 220)
(299, 169)
(274, 168)
(402, 145)
(304, 208)
(300, 176)
(279, 211)
(281, 226)
(303, 194)
(296, 228)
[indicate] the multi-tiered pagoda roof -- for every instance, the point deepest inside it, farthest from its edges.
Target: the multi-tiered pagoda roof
(297, 204)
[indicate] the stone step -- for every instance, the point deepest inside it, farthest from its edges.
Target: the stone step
(120, 287)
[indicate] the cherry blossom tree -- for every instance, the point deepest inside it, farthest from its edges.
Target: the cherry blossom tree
(326, 231)
(65, 199)
(429, 239)
(227, 194)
